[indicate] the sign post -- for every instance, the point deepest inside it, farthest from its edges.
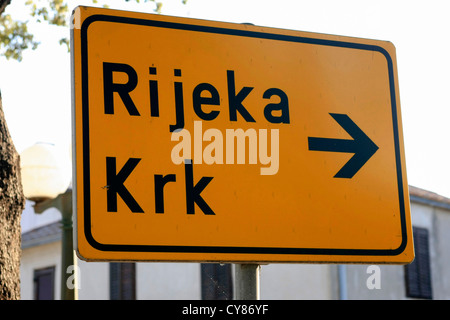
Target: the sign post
(247, 281)
(215, 142)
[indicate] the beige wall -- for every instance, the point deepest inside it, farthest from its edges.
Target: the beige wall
(171, 281)
(296, 282)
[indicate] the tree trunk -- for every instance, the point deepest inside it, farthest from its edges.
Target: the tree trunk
(12, 203)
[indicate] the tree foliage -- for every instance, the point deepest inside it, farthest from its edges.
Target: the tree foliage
(15, 37)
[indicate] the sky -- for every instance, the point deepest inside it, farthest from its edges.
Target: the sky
(37, 94)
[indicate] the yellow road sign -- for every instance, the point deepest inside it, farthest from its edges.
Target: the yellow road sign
(208, 141)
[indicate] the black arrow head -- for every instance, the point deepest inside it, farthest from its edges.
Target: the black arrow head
(363, 147)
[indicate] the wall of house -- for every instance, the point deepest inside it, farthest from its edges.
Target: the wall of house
(297, 282)
(278, 281)
(44, 256)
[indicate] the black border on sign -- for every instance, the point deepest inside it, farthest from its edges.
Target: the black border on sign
(219, 249)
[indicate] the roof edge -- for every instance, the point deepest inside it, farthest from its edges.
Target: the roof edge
(433, 199)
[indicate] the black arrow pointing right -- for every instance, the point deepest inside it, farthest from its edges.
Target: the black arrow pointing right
(361, 146)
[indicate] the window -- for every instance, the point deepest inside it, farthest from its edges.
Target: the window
(217, 283)
(44, 284)
(418, 273)
(122, 281)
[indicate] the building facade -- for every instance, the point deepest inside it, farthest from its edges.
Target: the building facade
(428, 277)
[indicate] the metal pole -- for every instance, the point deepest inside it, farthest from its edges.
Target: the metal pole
(342, 276)
(247, 281)
(67, 258)
(63, 203)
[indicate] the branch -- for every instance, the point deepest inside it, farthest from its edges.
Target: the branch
(3, 4)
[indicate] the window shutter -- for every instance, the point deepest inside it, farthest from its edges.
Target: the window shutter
(114, 281)
(44, 284)
(128, 275)
(217, 282)
(418, 273)
(122, 281)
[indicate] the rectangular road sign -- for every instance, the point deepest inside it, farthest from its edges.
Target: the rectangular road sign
(207, 141)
